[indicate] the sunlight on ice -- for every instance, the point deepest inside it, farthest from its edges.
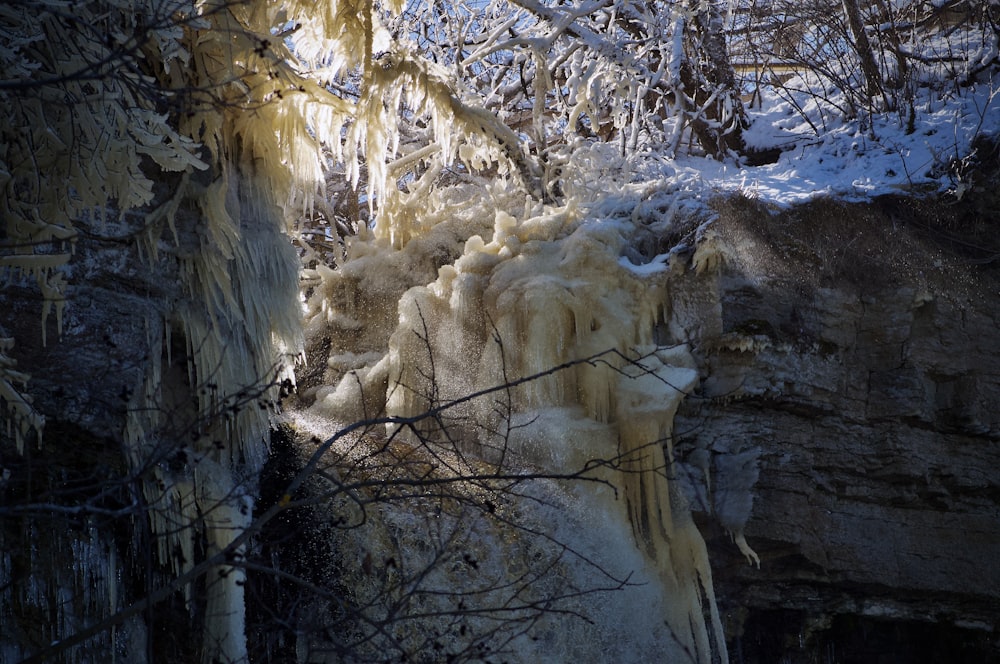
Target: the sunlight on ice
(544, 289)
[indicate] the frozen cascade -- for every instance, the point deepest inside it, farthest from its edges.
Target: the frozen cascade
(549, 289)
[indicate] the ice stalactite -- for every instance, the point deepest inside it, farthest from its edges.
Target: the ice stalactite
(16, 411)
(227, 511)
(198, 430)
(548, 290)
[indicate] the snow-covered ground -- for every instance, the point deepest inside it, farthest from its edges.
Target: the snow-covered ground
(853, 161)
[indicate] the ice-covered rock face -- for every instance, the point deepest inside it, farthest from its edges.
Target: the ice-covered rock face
(547, 304)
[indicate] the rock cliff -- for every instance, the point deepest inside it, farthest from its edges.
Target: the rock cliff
(849, 414)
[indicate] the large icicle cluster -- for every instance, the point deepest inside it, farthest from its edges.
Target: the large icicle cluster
(168, 120)
(198, 431)
(552, 287)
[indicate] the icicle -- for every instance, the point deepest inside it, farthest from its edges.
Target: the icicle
(16, 411)
(227, 512)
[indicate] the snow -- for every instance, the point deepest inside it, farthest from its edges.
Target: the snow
(850, 161)
(658, 264)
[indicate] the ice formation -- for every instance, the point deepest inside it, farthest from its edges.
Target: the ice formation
(547, 299)
(203, 187)
(239, 331)
(16, 411)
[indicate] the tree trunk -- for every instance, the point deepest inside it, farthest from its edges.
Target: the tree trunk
(717, 117)
(863, 47)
